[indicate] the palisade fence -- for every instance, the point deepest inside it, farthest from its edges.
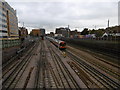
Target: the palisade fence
(100, 38)
(107, 38)
(10, 43)
(101, 46)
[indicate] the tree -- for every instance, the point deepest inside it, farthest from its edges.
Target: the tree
(99, 32)
(92, 31)
(85, 31)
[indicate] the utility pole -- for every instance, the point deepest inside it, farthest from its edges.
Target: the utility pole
(95, 27)
(68, 26)
(68, 31)
(108, 29)
(108, 23)
(23, 24)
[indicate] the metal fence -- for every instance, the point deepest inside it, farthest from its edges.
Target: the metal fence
(100, 38)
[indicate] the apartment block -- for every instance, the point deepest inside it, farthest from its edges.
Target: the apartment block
(8, 21)
(8, 26)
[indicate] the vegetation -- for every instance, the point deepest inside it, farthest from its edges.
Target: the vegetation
(85, 31)
(100, 32)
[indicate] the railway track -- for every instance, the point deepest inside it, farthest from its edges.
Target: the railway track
(67, 80)
(83, 76)
(49, 77)
(12, 76)
(43, 76)
(109, 71)
(4, 66)
(104, 65)
(102, 79)
(10, 65)
(15, 58)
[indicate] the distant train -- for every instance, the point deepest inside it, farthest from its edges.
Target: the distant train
(42, 37)
(58, 43)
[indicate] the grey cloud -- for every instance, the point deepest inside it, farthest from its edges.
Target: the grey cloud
(55, 14)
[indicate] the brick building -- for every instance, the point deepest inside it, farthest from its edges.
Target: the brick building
(35, 32)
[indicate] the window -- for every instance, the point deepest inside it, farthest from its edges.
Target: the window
(2, 3)
(3, 31)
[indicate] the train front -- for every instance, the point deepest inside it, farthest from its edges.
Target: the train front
(62, 45)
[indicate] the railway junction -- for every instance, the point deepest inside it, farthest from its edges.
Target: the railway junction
(45, 66)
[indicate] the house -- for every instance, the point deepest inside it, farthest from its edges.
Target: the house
(105, 35)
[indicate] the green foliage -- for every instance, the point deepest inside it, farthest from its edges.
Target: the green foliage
(99, 33)
(92, 31)
(85, 31)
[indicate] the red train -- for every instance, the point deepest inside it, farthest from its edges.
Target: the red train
(58, 43)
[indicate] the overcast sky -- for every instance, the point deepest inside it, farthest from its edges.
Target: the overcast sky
(78, 14)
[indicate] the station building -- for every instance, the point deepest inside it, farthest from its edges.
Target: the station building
(8, 25)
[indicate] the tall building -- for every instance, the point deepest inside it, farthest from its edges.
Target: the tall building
(8, 21)
(8, 26)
